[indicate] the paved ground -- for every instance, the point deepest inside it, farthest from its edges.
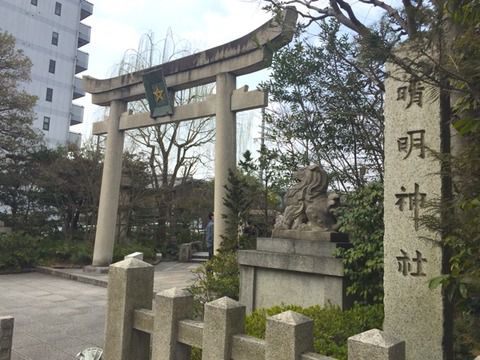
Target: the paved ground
(56, 318)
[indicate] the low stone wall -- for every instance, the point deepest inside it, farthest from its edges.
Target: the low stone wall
(134, 327)
(6, 336)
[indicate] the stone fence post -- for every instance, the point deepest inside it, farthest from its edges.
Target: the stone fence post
(6, 337)
(130, 287)
(287, 336)
(171, 306)
(375, 345)
(224, 318)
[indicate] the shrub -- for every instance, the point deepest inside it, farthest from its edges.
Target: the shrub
(121, 250)
(65, 253)
(362, 219)
(331, 326)
(216, 278)
(18, 251)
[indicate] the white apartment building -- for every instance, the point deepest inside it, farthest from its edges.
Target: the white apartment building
(50, 32)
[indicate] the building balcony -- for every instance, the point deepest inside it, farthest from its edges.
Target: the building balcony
(86, 9)
(83, 35)
(76, 114)
(74, 139)
(81, 62)
(78, 91)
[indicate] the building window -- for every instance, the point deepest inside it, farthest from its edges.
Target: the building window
(58, 9)
(33, 2)
(46, 123)
(51, 66)
(49, 95)
(55, 38)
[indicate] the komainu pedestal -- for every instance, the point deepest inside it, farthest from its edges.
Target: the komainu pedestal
(297, 265)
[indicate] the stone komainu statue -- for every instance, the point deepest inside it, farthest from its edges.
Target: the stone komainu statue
(308, 206)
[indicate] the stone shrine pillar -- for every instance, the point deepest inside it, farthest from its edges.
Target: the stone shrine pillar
(225, 151)
(413, 255)
(110, 190)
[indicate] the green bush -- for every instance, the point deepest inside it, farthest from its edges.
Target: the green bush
(216, 278)
(121, 250)
(331, 326)
(18, 251)
(65, 253)
(362, 219)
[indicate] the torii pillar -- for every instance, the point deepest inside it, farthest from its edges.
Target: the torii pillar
(222, 65)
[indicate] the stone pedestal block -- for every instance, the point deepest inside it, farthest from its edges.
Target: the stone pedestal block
(137, 255)
(6, 337)
(287, 336)
(171, 306)
(224, 318)
(375, 345)
(130, 287)
(289, 271)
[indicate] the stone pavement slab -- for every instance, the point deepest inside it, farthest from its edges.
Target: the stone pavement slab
(55, 318)
(168, 274)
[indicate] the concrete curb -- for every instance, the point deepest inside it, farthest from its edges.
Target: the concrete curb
(66, 275)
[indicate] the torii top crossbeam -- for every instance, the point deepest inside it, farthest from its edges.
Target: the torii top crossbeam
(220, 64)
(245, 55)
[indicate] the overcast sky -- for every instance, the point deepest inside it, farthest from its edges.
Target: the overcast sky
(117, 25)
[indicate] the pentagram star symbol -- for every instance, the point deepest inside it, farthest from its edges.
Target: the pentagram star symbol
(158, 93)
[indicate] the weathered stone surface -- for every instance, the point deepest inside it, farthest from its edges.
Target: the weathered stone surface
(130, 287)
(225, 152)
(171, 306)
(246, 347)
(269, 278)
(247, 287)
(324, 244)
(412, 255)
(274, 287)
(313, 356)
(325, 265)
(308, 207)
(270, 36)
(224, 318)
(110, 189)
(375, 345)
(143, 320)
(137, 255)
(241, 100)
(6, 337)
(310, 235)
(287, 336)
(184, 252)
(190, 332)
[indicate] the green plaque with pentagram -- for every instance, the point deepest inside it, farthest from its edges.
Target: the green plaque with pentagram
(157, 94)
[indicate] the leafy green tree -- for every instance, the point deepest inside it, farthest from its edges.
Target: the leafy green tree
(362, 218)
(267, 170)
(327, 112)
(17, 138)
(16, 106)
(451, 28)
(68, 186)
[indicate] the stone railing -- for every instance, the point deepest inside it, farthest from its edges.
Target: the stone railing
(137, 331)
(6, 335)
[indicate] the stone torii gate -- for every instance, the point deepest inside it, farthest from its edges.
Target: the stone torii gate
(221, 64)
